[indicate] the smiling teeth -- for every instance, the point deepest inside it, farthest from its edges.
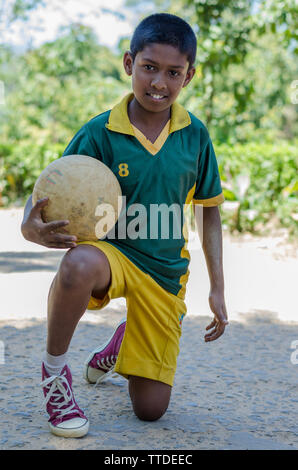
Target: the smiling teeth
(158, 97)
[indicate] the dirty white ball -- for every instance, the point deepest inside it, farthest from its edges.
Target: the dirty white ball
(82, 190)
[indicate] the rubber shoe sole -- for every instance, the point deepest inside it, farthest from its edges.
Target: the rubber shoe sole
(75, 431)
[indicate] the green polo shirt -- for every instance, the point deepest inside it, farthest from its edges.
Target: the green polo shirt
(151, 229)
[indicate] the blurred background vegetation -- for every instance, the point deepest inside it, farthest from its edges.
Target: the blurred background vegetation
(245, 90)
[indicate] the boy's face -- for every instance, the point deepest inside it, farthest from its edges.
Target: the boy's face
(159, 72)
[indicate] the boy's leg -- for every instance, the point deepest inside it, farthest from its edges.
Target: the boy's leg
(84, 271)
(150, 346)
(150, 398)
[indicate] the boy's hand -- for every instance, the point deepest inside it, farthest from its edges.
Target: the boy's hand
(35, 230)
(218, 307)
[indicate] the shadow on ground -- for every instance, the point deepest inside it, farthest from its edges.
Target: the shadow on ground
(25, 261)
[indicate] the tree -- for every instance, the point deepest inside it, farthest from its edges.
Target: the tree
(227, 89)
(11, 10)
(51, 91)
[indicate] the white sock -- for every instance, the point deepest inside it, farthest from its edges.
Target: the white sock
(54, 364)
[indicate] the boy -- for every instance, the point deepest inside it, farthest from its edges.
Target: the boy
(161, 154)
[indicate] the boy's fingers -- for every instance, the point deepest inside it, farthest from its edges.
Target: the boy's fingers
(213, 337)
(61, 238)
(37, 208)
(56, 224)
(41, 203)
(216, 333)
(212, 324)
(219, 323)
(62, 245)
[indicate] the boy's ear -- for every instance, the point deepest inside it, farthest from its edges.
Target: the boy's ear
(128, 62)
(189, 76)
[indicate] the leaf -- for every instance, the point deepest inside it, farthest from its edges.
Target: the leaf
(290, 189)
(229, 195)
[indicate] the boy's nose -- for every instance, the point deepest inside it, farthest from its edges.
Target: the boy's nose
(158, 83)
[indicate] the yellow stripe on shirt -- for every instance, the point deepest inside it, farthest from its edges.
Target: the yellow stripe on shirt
(155, 147)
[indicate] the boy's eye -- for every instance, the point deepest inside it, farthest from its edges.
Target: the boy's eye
(173, 73)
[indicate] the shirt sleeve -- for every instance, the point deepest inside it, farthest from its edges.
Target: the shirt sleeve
(82, 144)
(208, 190)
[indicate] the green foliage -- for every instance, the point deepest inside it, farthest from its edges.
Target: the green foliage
(15, 10)
(21, 7)
(60, 86)
(260, 185)
(242, 91)
(50, 92)
(20, 166)
(245, 65)
(280, 18)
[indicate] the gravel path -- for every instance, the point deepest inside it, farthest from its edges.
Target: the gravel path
(239, 392)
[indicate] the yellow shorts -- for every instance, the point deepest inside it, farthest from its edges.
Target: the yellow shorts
(150, 346)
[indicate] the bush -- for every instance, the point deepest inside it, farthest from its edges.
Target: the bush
(260, 185)
(20, 166)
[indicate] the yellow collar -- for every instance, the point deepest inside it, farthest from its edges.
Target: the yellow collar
(119, 120)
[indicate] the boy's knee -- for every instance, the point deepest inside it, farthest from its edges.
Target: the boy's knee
(150, 398)
(81, 264)
(149, 411)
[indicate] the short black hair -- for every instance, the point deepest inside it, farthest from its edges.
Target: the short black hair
(164, 28)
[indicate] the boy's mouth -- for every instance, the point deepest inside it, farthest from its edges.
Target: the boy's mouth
(156, 96)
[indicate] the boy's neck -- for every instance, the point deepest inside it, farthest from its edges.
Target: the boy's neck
(151, 124)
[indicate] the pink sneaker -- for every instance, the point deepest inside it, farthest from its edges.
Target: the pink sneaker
(101, 362)
(66, 418)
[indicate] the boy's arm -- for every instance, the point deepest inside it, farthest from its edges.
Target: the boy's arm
(210, 232)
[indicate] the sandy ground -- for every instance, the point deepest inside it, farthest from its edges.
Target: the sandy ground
(239, 392)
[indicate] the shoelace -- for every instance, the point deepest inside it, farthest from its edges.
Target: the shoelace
(109, 362)
(56, 390)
